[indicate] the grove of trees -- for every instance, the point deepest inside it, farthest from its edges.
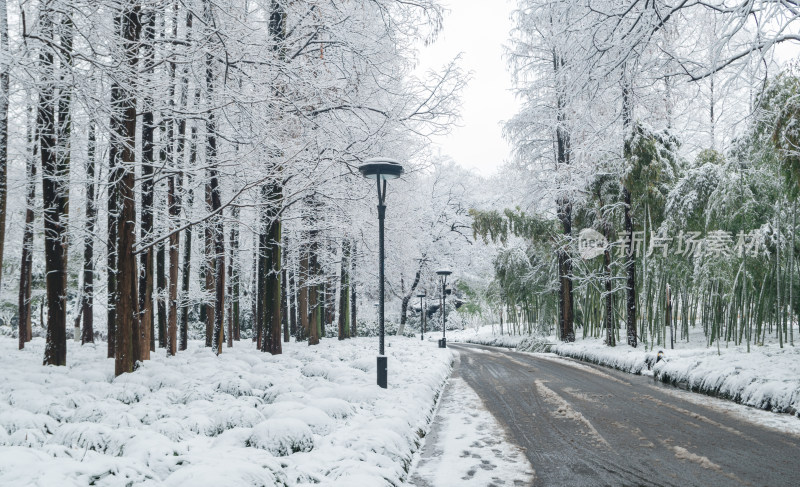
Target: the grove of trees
(188, 168)
(668, 130)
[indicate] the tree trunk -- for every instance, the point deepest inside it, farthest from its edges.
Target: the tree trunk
(161, 284)
(303, 290)
(187, 238)
(564, 210)
(231, 278)
(344, 298)
(313, 290)
(284, 296)
(630, 258)
(292, 292)
(54, 199)
(4, 85)
(353, 297)
(261, 281)
(88, 242)
(407, 298)
(609, 298)
(128, 335)
(565, 273)
(146, 229)
(215, 232)
(172, 322)
(235, 273)
(208, 269)
(26, 261)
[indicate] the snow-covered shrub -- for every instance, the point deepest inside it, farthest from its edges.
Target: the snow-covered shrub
(234, 386)
(335, 408)
(390, 328)
(16, 419)
(86, 436)
(282, 436)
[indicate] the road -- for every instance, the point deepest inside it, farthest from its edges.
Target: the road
(584, 425)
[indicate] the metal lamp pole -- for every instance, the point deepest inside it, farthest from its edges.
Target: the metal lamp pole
(443, 273)
(381, 169)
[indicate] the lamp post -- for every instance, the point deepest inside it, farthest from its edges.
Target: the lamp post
(443, 273)
(421, 296)
(380, 169)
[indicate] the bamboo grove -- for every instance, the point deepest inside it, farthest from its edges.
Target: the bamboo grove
(658, 176)
(179, 169)
(715, 241)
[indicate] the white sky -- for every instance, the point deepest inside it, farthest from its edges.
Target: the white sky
(478, 29)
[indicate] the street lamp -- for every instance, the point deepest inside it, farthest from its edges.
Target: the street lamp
(443, 273)
(380, 169)
(421, 296)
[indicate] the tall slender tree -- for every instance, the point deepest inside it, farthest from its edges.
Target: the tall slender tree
(54, 197)
(87, 295)
(128, 337)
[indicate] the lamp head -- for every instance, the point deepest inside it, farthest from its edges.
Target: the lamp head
(382, 167)
(444, 272)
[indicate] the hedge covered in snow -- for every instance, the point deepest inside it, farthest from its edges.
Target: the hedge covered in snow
(310, 416)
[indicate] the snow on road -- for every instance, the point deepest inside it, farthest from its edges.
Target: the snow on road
(310, 416)
(468, 447)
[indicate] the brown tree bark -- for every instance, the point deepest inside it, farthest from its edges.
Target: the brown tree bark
(172, 321)
(26, 260)
(313, 291)
(564, 210)
(128, 336)
(235, 273)
(4, 85)
(292, 296)
(353, 296)
(344, 295)
(54, 198)
(272, 289)
(630, 258)
(215, 194)
(210, 261)
(87, 335)
(304, 331)
(407, 298)
(284, 311)
(187, 237)
(229, 300)
(148, 151)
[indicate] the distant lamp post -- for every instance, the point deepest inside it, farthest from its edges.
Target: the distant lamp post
(421, 296)
(380, 169)
(443, 273)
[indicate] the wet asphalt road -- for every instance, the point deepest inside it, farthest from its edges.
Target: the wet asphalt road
(594, 426)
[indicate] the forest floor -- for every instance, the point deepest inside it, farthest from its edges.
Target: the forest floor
(312, 415)
(767, 377)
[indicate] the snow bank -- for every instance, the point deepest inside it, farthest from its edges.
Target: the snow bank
(768, 377)
(484, 336)
(310, 416)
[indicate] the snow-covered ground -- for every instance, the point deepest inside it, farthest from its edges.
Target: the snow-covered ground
(467, 446)
(768, 377)
(310, 416)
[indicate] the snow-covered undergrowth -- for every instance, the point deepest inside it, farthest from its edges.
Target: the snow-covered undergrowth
(310, 416)
(485, 336)
(768, 377)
